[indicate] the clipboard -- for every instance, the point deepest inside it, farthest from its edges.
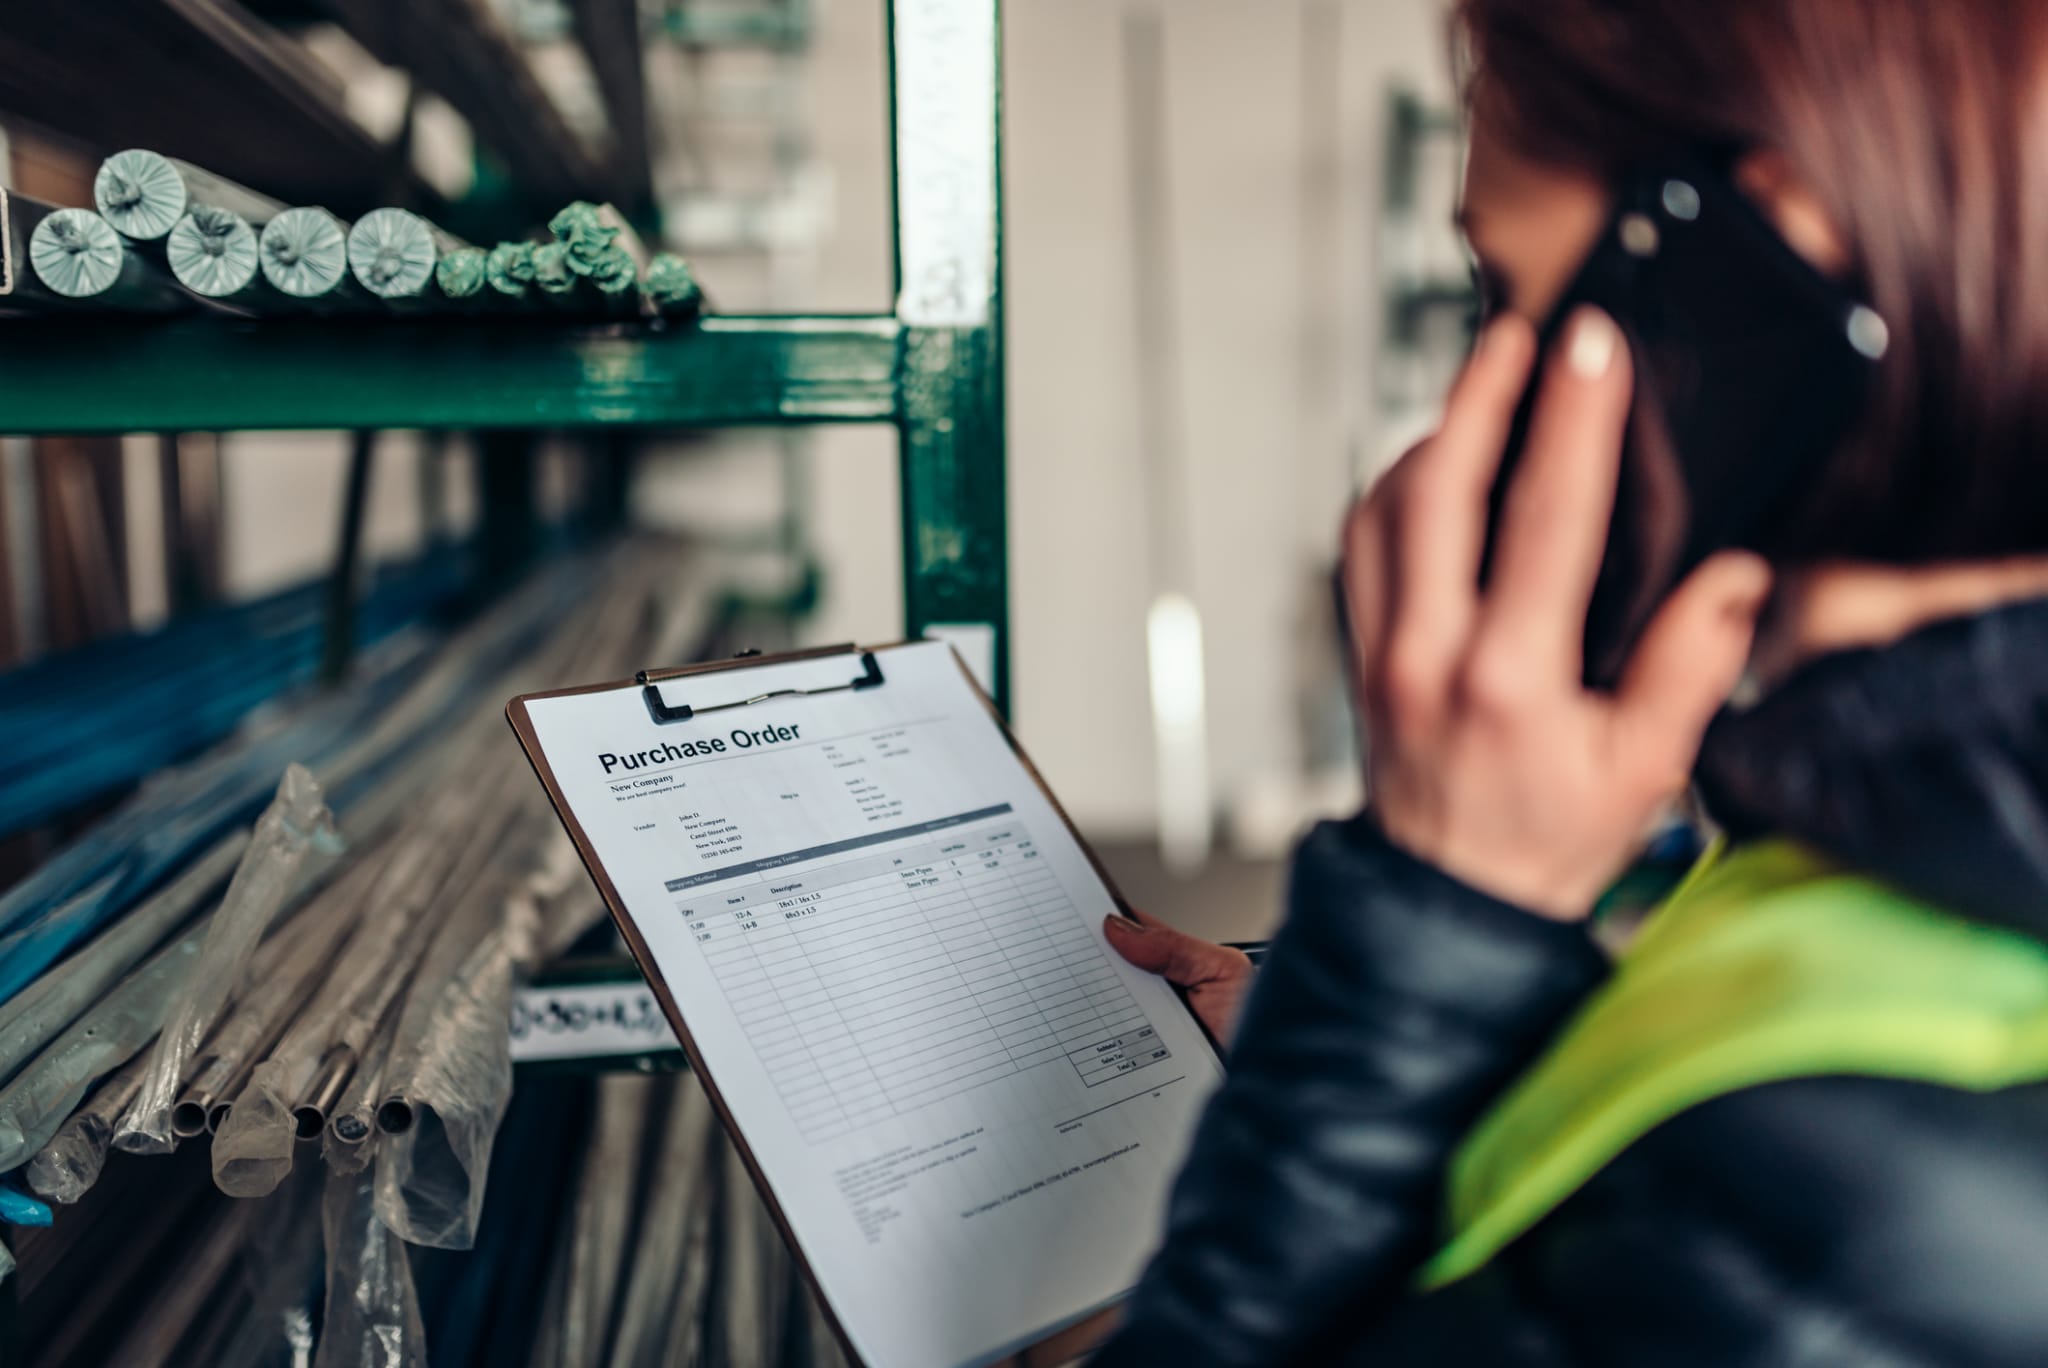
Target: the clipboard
(666, 706)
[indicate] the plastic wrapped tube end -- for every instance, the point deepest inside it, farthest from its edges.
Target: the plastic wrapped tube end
(509, 268)
(460, 274)
(140, 193)
(304, 252)
(70, 1164)
(253, 1151)
(212, 252)
(392, 253)
(76, 253)
(672, 285)
(582, 230)
(551, 268)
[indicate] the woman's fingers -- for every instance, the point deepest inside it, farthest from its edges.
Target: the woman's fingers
(1687, 663)
(1367, 577)
(1554, 524)
(1182, 959)
(1440, 507)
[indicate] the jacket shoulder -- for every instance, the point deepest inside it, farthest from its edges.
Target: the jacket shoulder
(1824, 1220)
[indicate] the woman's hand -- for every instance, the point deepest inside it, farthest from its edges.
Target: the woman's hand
(1216, 977)
(1487, 755)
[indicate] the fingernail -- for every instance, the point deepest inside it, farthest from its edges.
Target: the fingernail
(1118, 922)
(1590, 350)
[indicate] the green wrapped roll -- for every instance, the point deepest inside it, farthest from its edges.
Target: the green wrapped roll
(509, 268)
(671, 286)
(551, 270)
(461, 274)
(580, 227)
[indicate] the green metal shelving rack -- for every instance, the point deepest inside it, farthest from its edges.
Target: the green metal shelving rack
(933, 366)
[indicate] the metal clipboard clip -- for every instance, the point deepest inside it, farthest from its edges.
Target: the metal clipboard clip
(664, 713)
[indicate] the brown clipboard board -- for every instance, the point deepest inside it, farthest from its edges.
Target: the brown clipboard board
(1066, 1345)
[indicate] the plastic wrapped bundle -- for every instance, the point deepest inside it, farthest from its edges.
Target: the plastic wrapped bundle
(453, 1085)
(45, 1093)
(393, 253)
(145, 194)
(373, 1313)
(70, 1163)
(286, 968)
(59, 997)
(296, 821)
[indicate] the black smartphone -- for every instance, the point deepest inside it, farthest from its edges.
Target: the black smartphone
(1751, 367)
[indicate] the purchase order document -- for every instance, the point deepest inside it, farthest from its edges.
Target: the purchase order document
(887, 947)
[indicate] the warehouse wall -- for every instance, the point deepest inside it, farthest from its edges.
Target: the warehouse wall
(1273, 385)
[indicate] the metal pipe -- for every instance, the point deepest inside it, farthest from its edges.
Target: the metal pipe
(212, 253)
(44, 1094)
(144, 194)
(292, 827)
(71, 1162)
(336, 1068)
(393, 253)
(671, 287)
(461, 276)
(54, 1001)
(509, 269)
(69, 258)
(304, 253)
(286, 970)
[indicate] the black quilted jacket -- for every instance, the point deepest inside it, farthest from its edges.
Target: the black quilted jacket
(1825, 1221)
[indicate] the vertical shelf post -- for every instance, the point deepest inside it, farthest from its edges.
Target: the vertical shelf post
(946, 110)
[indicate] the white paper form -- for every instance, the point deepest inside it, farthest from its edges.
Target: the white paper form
(887, 947)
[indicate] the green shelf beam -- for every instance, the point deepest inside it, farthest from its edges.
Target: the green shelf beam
(203, 375)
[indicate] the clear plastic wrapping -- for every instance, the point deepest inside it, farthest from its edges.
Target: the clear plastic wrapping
(42, 1095)
(456, 1083)
(59, 997)
(373, 1311)
(287, 970)
(296, 821)
(71, 1162)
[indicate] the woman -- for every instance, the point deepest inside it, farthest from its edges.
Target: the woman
(1802, 1120)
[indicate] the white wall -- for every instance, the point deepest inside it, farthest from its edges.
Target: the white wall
(1273, 389)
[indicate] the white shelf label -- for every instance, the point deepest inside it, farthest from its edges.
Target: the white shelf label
(582, 1020)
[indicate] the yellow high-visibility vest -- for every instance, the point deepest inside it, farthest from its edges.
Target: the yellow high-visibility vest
(1768, 963)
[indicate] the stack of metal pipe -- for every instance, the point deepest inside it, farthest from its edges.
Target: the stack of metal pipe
(294, 1006)
(165, 235)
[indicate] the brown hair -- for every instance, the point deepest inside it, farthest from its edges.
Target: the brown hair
(1922, 125)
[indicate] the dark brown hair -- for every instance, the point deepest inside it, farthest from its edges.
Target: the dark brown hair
(1922, 125)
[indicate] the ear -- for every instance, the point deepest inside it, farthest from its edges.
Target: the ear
(1767, 177)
